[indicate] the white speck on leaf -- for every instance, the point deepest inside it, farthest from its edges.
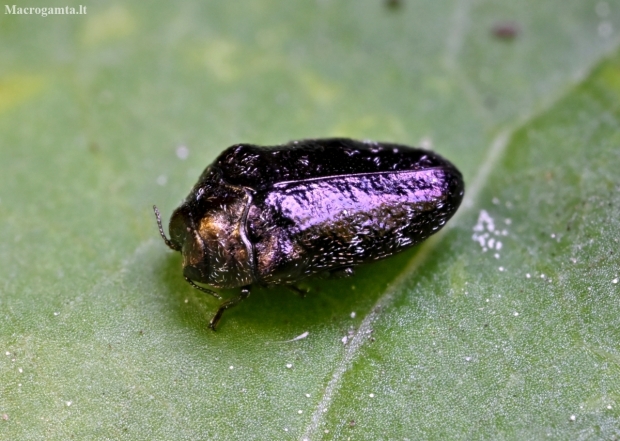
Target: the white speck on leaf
(426, 143)
(484, 229)
(182, 152)
(299, 337)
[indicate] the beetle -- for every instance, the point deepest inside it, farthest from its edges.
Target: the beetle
(276, 215)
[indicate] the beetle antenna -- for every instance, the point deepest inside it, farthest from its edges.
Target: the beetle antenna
(161, 230)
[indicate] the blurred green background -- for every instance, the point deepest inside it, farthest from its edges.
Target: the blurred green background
(504, 326)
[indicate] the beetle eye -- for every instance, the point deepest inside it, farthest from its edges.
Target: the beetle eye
(178, 229)
(185, 237)
(193, 251)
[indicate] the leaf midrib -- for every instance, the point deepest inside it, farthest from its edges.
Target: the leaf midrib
(493, 155)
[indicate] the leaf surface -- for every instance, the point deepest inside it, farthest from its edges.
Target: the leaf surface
(503, 326)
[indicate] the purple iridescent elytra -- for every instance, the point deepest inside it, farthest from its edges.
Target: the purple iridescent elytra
(276, 215)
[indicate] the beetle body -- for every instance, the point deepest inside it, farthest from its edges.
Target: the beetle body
(276, 215)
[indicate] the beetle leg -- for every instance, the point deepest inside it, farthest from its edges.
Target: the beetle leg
(245, 292)
(205, 290)
(341, 273)
(297, 290)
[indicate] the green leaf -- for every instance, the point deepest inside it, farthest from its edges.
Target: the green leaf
(101, 338)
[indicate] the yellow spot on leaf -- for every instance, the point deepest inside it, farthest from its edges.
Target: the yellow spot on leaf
(610, 77)
(375, 127)
(228, 61)
(114, 23)
(318, 89)
(221, 58)
(16, 89)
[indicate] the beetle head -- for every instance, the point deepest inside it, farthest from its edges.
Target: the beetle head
(184, 238)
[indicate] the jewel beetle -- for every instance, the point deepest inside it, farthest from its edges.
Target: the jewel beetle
(276, 215)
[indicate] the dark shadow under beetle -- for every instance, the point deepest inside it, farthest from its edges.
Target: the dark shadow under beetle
(277, 309)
